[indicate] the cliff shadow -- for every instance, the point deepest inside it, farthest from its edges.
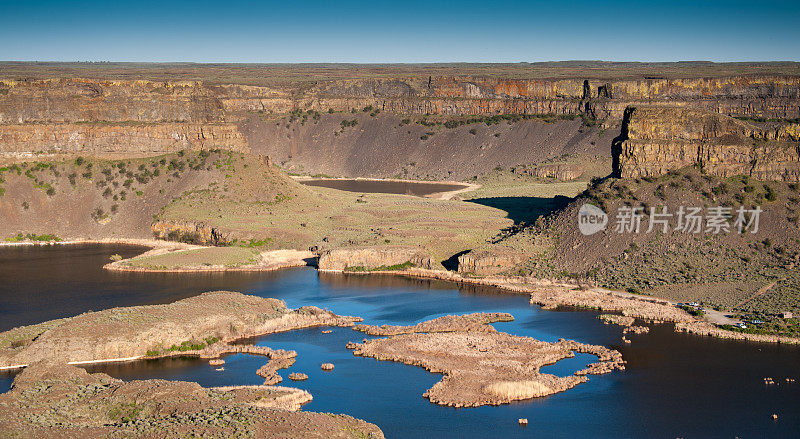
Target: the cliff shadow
(451, 263)
(616, 144)
(524, 209)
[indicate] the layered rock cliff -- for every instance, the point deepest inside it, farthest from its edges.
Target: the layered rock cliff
(146, 116)
(73, 100)
(657, 139)
(123, 139)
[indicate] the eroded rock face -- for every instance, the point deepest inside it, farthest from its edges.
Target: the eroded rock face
(69, 100)
(109, 139)
(488, 262)
(482, 367)
(558, 172)
(65, 401)
(184, 327)
(374, 258)
(658, 139)
(124, 117)
(188, 232)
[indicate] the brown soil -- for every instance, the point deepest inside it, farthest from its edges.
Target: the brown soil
(482, 366)
(67, 402)
(382, 146)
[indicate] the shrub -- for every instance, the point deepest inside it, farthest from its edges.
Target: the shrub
(349, 123)
(770, 194)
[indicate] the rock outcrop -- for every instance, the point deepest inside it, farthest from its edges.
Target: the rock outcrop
(558, 172)
(188, 232)
(488, 262)
(384, 258)
(110, 139)
(657, 139)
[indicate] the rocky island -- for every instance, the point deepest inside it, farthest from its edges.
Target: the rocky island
(482, 366)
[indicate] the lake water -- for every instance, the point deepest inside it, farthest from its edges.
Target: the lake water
(419, 189)
(675, 385)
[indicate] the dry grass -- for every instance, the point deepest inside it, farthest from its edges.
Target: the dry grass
(328, 218)
(212, 256)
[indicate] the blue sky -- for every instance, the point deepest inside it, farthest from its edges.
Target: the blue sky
(408, 31)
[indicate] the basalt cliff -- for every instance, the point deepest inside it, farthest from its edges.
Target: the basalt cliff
(663, 117)
(657, 139)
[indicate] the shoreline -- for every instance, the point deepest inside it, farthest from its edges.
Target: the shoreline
(230, 312)
(270, 260)
(547, 293)
(142, 242)
(550, 294)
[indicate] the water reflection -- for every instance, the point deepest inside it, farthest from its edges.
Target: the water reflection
(419, 189)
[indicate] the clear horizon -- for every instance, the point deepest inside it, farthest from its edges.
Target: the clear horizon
(412, 32)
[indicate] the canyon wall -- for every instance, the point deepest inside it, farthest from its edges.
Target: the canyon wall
(677, 120)
(657, 139)
(84, 100)
(122, 139)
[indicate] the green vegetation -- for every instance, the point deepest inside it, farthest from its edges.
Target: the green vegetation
(256, 242)
(124, 412)
(697, 312)
(494, 120)
(770, 325)
(32, 237)
(187, 346)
